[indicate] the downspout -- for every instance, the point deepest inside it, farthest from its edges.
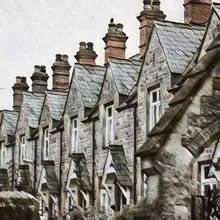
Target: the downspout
(35, 166)
(13, 167)
(135, 149)
(93, 162)
(61, 152)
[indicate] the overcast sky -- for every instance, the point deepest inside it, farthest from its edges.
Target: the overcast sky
(33, 31)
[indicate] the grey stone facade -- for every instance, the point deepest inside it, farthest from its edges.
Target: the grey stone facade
(83, 140)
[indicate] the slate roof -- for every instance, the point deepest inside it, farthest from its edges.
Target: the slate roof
(120, 164)
(192, 82)
(50, 176)
(4, 181)
(25, 178)
(180, 42)
(33, 103)
(56, 102)
(10, 119)
(125, 73)
(88, 79)
(81, 171)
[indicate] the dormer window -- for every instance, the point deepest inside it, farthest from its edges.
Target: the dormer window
(75, 142)
(3, 155)
(46, 144)
(22, 149)
(109, 134)
(155, 107)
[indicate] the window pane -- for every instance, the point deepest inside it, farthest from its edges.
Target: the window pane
(75, 123)
(154, 95)
(206, 172)
(110, 112)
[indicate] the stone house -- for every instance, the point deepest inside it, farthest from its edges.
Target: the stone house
(108, 137)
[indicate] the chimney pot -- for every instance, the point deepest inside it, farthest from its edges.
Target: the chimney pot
(111, 26)
(23, 79)
(147, 4)
(18, 79)
(65, 58)
(43, 69)
(36, 68)
(58, 57)
(156, 4)
(90, 46)
(119, 27)
(82, 45)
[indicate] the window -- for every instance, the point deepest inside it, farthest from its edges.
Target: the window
(46, 144)
(145, 185)
(109, 135)
(3, 155)
(42, 206)
(75, 143)
(69, 202)
(22, 149)
(206, 181)
(104, 201)
(155, 107)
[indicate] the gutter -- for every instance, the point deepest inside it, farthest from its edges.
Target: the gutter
(60, 171)
(35, 167)
(93, 162)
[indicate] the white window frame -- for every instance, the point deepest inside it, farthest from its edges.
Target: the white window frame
(75, 135)
(22, 148)
(46, 144)
(104, 206)
(206, 181)
(3, 155)
(155, 104)
(109, 129)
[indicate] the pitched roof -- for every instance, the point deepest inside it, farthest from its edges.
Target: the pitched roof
(178, 105)
(56, 102)
(120, 164)
(81, 171)
(33, 103)
(180, 42)
(50, 176)
(10, 119)
(125, 73)
(88, 79)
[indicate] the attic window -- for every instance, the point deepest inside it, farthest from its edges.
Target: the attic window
(22, 149)
(46, 144)
(3, 155)
(153, 60)
(109, 129)
(75, 142)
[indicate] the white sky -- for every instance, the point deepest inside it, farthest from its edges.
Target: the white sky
(33, 31)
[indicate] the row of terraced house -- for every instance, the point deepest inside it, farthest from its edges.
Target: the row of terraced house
(83, 142)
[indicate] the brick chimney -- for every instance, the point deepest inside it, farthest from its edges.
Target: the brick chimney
(18, 88)
(151, 11)
(86, 53)
(61, 74)
(196, 11)
(115, 41)
(39, 79)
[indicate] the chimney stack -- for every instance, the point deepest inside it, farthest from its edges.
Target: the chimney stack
(61, 74)
(115, 41)
(18, 88)
(196, 11)
(86, 53)
(39, 79)
(151, 11)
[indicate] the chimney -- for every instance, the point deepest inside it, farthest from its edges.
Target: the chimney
(86, 53)
(196, 11)
(61, 74)
(18, 88)
(115, 41)
(39, 79)
(151, 11)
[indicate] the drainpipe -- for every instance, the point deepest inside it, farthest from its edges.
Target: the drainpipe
(61, 152)
(93, 162)
(35, 166)
(13, 167)
(135, 149)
